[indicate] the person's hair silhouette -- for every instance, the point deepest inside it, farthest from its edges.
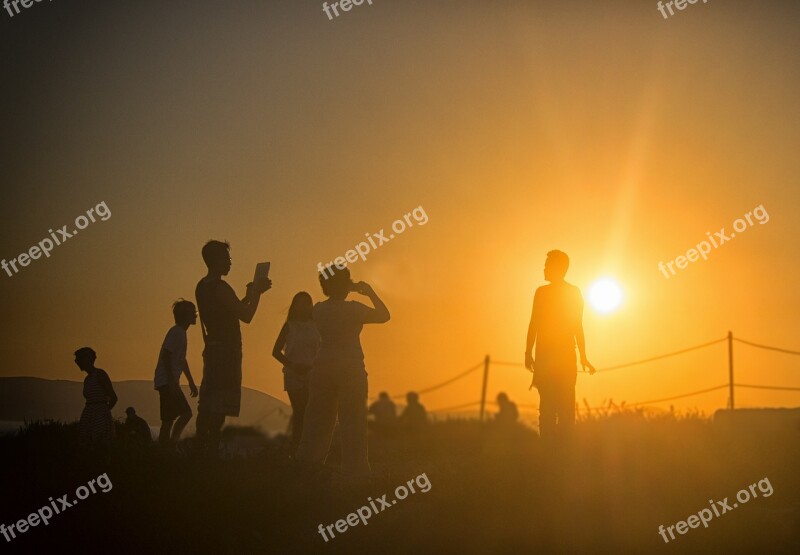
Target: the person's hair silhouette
(296, 347)
(555, 328)
(338, 383)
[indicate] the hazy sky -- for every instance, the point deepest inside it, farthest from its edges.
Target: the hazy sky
(598, 128)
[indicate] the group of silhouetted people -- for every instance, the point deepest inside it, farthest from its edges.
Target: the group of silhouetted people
(385, 420)
(319, 346)
(96, 426)
(323, 365)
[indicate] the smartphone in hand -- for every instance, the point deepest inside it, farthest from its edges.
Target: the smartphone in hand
(262, 271)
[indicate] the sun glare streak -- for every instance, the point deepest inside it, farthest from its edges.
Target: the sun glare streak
(605, 295)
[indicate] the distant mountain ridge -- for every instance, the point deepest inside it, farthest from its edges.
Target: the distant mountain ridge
(26, 398)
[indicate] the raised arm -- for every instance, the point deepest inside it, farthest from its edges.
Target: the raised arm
(245, 308)
(379, 314)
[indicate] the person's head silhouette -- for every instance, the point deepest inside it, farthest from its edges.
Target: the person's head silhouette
(185, 313)
(556, 266)
(502, 398)
(383, 396)
(84, 358)
(338, 285)
(130, 411)
(412, 398)
(300, 309)
(217, 256)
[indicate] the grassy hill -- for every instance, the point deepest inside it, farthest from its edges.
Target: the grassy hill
(492, 492)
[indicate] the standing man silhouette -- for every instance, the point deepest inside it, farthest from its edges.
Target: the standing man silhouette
(556, 327)
(220, 313)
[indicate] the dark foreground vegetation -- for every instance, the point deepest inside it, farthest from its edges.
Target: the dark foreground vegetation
(492, 491)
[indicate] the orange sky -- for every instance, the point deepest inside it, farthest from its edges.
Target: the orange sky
(596, 128)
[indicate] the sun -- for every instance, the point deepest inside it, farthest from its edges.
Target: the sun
(605, 295)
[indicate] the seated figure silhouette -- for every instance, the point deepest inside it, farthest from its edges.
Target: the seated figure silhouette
(384, 412)
(507, 414)
(414, 417)
(136, 429)
(555, 328)
(96, 427)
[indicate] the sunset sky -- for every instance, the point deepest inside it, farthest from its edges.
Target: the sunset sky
(597, 128)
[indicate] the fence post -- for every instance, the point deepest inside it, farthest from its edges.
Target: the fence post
(485, 380)
(730, 366)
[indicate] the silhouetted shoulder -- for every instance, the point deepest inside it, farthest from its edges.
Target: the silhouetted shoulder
(175, 335)
(575, 290)
(102, 378)
(542, 290)
(356, 306)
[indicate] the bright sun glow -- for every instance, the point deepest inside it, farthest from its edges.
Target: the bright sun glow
(605, 295)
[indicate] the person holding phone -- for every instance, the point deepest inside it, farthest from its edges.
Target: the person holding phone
(220, 313)
(338, 379)
(296, 348)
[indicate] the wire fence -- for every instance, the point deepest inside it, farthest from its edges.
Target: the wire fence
(729, 385)
(610, 404)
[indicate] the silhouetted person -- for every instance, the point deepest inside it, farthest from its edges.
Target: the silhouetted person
(136, 428)
(296, 347)
(175, 409)
(385, 413)
(96, 427)
(338, 381)
(220, 313)
(507, 414)
(414, 417)
(556, 326)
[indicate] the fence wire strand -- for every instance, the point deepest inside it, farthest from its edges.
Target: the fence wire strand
(643, 361)
(626, 365)
(778, 349)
